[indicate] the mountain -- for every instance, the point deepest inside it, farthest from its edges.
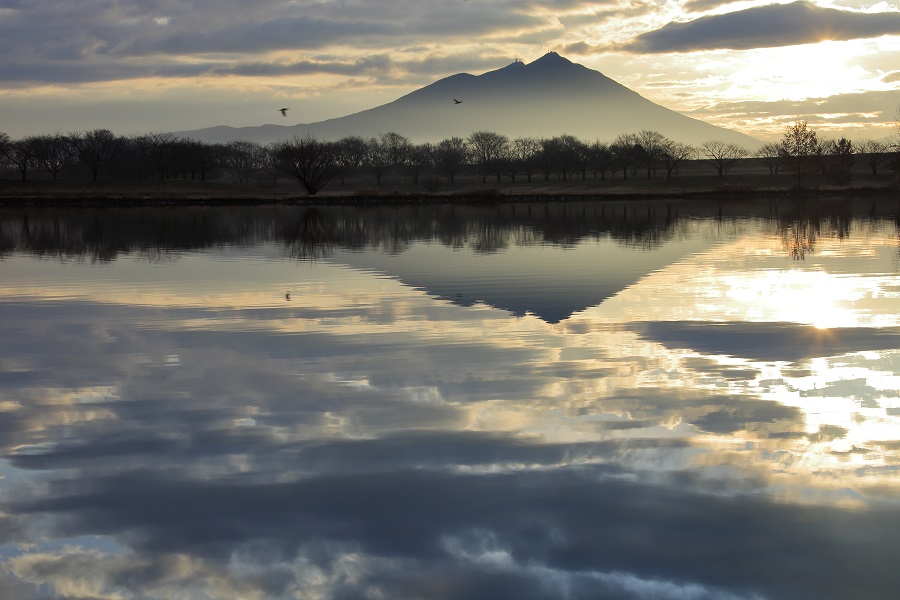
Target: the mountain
(544, 98)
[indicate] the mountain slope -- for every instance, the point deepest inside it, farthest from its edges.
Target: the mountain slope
(550, 96)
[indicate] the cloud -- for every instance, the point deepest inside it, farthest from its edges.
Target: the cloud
(768, 26)
(88, 40)
(579, 48)
(788, 342)
(860, 111)
(704, 5)
(209, 27)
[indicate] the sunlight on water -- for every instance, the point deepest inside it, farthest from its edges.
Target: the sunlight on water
(395, 400)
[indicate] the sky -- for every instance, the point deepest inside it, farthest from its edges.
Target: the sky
(135, 66)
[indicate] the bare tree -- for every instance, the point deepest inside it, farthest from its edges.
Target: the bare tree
(53, 152)
(20, 154)
(874, 154)
(895, 143)
(894, 139)
(573, 155)
(722, 155)
(4, 144)
(386, 152)
(312, 162)
(160, 148)
(421, 156)
(524, 152)
(351, 154)
(800, 150)
(378, 159)
(510, 165)
(770, 155)
(244, 158)
(450, 156)
(197, 158)
(549, 159)
(652, 145)
(487, 149)
(839, 164)
(397, 148)
(600, 159)
(624, 151)
(96, 149)
(674, 155)
(353, 150)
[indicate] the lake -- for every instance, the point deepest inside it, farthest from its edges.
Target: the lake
(624, 400)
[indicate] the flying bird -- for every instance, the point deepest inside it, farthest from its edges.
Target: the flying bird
(283, 111)
(455, 101)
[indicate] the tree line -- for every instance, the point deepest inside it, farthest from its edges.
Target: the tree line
(314, 163)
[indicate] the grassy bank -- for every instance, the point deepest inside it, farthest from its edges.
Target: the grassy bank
(695, 180)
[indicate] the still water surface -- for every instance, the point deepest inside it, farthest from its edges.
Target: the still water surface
(641, 400)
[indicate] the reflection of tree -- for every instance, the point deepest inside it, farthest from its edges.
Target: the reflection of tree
(304, 237)
(799, 231)
(799, 238)
(162, 233)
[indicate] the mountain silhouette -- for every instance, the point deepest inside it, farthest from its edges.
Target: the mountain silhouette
(550, 96)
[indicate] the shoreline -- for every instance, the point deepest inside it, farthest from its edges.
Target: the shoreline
(187, 197)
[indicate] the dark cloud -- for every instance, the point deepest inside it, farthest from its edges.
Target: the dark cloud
(88, 40)
(766, 27)
(382, 67)
(578, 48)
(204, 27)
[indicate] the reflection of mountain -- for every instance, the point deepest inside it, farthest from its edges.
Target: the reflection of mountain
(550, 283)
(602, 247)
(550, 96)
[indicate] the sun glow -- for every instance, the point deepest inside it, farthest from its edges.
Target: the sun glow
(798, 297)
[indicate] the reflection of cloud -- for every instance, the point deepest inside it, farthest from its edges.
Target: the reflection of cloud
(76, 572)
(788, 342)
(766, 27)
(483, 529)
(746, 413)
(367, 438)
(727, 372)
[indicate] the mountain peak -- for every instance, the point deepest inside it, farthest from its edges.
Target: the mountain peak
(552, 59)
(549, 96)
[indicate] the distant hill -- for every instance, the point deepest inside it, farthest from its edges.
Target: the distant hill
(548, 97)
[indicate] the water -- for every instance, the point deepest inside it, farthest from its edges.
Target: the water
(637, 400)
